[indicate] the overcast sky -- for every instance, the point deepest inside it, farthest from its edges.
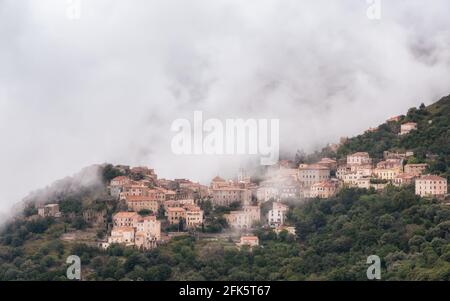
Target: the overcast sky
(107, 86)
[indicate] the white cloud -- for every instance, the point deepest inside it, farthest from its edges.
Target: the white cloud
(107, 86)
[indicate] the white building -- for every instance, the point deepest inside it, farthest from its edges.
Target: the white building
(49, 210)
(245, 218)
(406, 128)
(359, 158)
(311, 174)
(122, 235)
(250, 241)
(431, 185)
(277, 215)
(266, 193)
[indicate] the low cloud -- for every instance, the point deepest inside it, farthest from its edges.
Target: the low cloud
(107, 86)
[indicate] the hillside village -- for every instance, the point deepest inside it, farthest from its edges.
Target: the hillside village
(305, 205)
(154, 210)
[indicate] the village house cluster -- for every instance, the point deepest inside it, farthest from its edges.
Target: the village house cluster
(142, 192)
(223, 192)
(178, 198)
(131, 229)
(326, 177)
(277, 214)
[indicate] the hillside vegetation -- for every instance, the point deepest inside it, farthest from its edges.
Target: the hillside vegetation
(430, 142)
(333, 238)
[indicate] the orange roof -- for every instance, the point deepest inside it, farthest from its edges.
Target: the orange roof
(175, 209)
(406, 176)
(163, 190)
(218, 179)
(120, 178)
(249, 237)
(431, 178)
(193, 208)
(324, 184)
(123, 229)
(139, 198)
(313, 166)
(125, 214)
(136, 185)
